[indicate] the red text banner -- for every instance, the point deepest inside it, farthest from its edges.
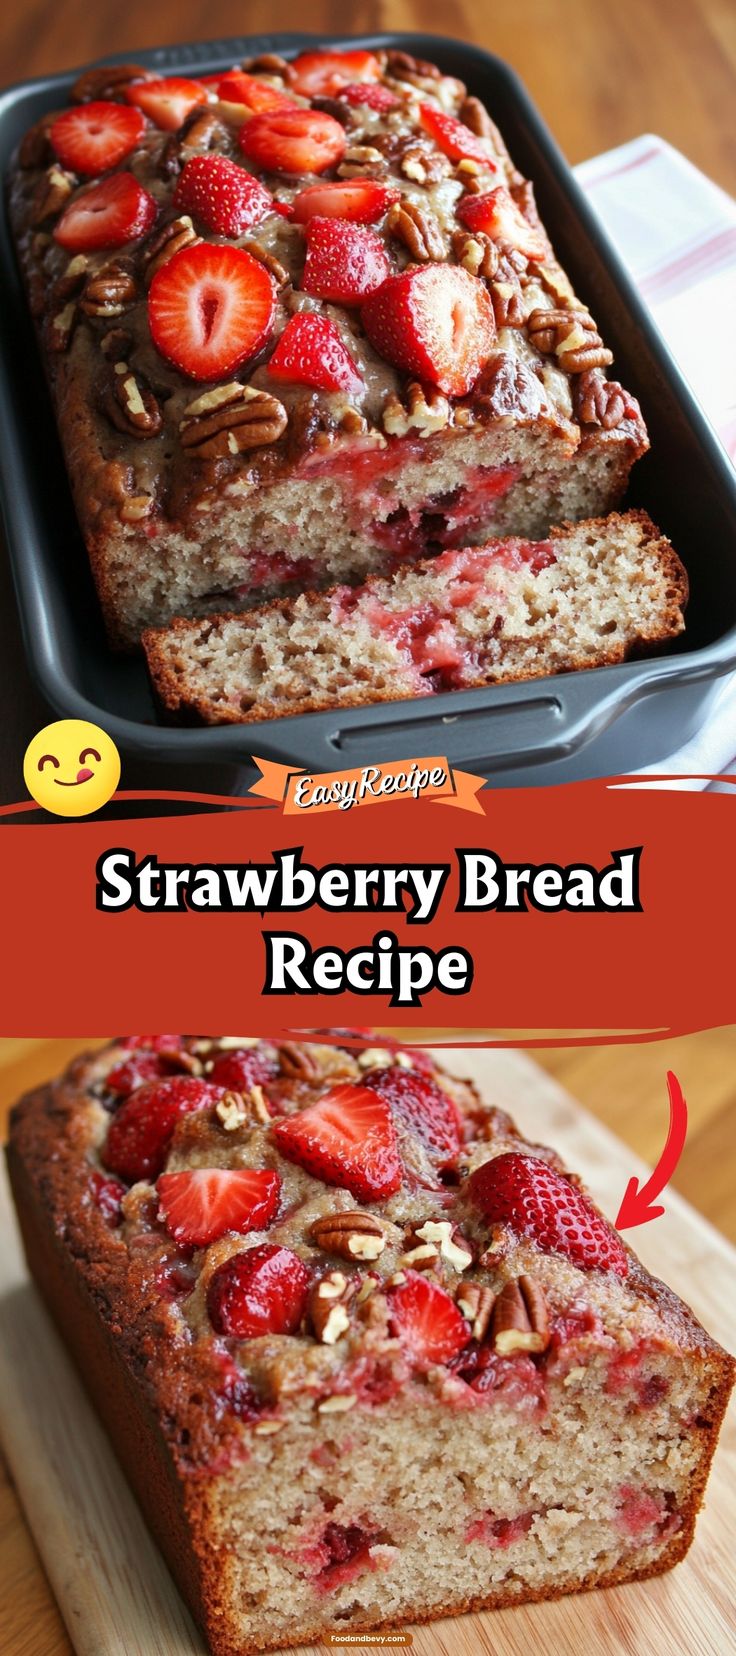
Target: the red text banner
(589, 907)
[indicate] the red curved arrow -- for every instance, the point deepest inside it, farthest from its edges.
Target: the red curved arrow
(637, 1206)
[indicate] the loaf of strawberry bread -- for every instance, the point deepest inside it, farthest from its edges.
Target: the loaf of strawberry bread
(588, 596)
(366, 1355)
(302, 323)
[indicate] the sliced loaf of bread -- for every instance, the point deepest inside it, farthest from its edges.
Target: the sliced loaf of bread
(590, 595)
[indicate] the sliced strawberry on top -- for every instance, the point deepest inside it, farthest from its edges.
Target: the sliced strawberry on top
(293, 140)
(140, 1133)
(311, 352)
(202, 1203)
(345, 262)
(237, 87)
(262, 1290)
(223, 196)
(496, 214)
(455, 139)
(348, 1139)
(421, 1107)
(108, 214)
(210, 308)
(167, 102)
(322, 74)
(435, 321)
(362, 200)
(426, 1320)
(535, 1201)
(241, 1070)
(140, 1067)
(93, 137)
(376, 97)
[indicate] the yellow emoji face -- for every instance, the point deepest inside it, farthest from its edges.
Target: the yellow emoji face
(71, 768)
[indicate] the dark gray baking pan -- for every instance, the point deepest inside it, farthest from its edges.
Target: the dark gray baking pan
(602, 722)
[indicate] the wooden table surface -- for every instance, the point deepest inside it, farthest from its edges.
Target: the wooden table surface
(623, 1086)
(600, 75)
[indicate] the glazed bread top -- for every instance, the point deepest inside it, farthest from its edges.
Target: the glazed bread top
(305, 1227)
(295, 257)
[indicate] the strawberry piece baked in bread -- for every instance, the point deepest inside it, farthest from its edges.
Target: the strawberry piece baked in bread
(366, 1355)
(590, 595)
(302, 324)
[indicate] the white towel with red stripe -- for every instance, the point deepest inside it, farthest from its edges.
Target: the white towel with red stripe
(676, 233)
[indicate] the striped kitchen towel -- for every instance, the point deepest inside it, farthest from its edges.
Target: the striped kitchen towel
(676, 232)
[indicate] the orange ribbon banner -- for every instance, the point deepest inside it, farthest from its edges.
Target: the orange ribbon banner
(300, 793)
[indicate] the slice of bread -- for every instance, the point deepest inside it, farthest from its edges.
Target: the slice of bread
(589, 596)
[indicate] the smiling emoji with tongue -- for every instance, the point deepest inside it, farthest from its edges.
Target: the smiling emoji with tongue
(71, 768)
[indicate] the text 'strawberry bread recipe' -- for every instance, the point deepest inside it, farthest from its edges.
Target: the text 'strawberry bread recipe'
(302, 324)
(588, 596)
(366, 1355)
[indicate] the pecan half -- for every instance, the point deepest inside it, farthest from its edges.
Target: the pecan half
(418, 229)
(58, 329)
(231, 420)
(170, 239)
(110, 290)
(424, 409)
(520, 1321)
(476, 253)
(327, 1306)
(362, 161)
(269, 63)
(571, 336)
(474, 114)
(105, 82)
(507, 298)
(130, 404)
(273, 265)
(402, 66)
(476, 1301)
(600, 402)
(35, 149)
(71, 281)
(424, 165)
(235, 1110)
(200, 129)
(51, 194)
(351, 1235)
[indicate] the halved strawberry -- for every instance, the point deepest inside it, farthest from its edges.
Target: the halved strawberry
(93, 137)
(455, 139)
(426, 1320)
(535, 1201)
(496, 214)
(348, 1139)
(322, 74)
(293, 140)
(435, 321)
(141, 1132)
(262, 1290)
(311, 352)
(345, 262)
(241, 1070)
(362, 200)
(376, 97)
(421, 1107)
(108, 214)
(202, 1203)
(224, 197)
(237, 87)
(167, 102)
(210, 308)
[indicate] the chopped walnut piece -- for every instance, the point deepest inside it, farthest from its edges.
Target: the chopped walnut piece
(51, 194)
(59, 328)
(476, 253)
(571, 336)
(328, 1302)
(449, 1240)
(338, 1403)
(231, 419)
(231, 1112)
(424, 409)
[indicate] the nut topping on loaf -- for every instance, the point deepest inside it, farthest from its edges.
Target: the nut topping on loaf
(383, 208)
(464, 1392)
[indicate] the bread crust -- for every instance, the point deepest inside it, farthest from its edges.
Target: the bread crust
(159, 1402)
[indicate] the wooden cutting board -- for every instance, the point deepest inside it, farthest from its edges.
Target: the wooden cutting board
(112, 1587)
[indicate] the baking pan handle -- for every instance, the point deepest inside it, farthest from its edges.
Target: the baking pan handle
(520, 729)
